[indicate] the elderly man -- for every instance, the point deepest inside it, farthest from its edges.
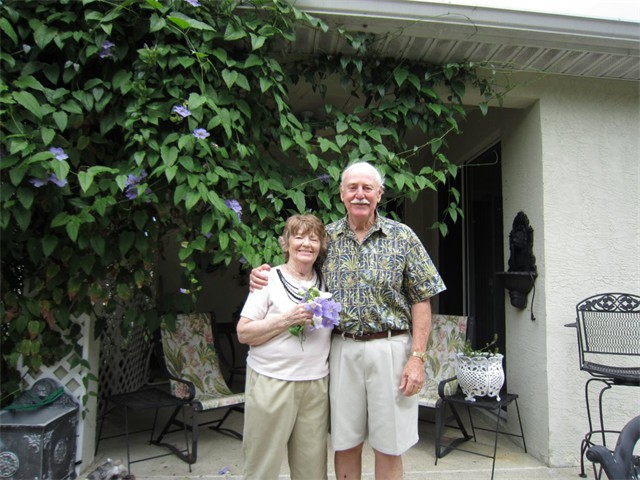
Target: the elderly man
(380, 272)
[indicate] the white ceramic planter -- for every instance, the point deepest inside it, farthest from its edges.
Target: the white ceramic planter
(480, 376)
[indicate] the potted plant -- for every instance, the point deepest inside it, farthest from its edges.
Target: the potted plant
(480, 371)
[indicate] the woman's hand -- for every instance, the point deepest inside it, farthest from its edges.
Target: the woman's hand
(299, 315)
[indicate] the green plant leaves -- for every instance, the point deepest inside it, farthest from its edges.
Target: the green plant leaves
(99, 82)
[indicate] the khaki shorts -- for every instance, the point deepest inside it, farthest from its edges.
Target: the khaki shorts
(365, 397)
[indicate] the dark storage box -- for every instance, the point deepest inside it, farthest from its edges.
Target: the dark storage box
(39, 443)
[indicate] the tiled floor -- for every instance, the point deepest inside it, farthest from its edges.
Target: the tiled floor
(220, 457)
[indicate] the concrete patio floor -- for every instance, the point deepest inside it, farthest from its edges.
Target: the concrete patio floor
(220, 456)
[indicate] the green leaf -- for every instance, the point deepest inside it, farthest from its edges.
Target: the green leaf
(60, 168)
(242, 82)
(140, 218)
(435, 108)
(256, 41)
(298, 198)
(169, 155)
(185, 22)
(49, 243)
(73, 228)
(97, 243)
(22, 217)
(400, 75)
(326, 145)
(60, 219)
(85, 179)
(61, 119)
(229, 77)
(285, 142)
(155, 4)
(42, 35)
(25, 196)
(253, 61)
(265, 84)
(47, 135)
(223, 240)
(156, 23)
(233, 32)
(375, 135)
(8, 30)
(125, 241)
(180, 22)
(28, 101)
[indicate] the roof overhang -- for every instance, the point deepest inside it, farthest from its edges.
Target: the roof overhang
(518, 40)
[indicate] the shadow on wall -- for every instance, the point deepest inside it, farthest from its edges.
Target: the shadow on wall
(224, 290)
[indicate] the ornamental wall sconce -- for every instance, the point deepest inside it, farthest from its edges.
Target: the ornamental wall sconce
(522, 273)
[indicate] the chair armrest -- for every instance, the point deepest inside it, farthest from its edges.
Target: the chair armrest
(190, 385)
(443, 384)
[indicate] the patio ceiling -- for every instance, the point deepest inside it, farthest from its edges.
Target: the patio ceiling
(522, 41)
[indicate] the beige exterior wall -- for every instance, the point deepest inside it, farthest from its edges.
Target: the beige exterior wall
(571, 162)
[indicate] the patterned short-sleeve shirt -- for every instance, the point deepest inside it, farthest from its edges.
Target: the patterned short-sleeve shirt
(378, 280)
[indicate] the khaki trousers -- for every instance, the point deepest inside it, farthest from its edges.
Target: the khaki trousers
(282, 416)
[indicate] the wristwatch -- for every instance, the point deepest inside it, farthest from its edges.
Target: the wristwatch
(421, 355)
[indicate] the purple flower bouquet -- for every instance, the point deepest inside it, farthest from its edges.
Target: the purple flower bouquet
(325, 311)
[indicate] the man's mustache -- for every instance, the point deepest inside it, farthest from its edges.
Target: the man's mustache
(363, 201)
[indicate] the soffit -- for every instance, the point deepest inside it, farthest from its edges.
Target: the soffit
(441, 33)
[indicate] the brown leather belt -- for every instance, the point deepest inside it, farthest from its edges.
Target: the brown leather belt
(369, 336)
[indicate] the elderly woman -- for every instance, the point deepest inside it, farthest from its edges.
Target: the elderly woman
(286, 394)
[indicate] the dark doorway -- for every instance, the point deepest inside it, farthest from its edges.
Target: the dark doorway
(473, 250)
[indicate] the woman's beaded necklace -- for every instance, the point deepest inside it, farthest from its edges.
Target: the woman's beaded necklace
(293, 291)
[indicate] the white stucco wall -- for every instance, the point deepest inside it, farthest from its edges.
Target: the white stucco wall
(571, 162)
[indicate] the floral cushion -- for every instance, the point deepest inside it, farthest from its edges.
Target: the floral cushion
(447, 337)
(190, 355)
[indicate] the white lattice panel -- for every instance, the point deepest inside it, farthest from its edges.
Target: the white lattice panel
(71, 378)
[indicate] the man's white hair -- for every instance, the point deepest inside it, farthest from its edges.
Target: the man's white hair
(367, 166)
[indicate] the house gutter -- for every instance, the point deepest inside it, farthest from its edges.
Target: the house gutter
(480, 24)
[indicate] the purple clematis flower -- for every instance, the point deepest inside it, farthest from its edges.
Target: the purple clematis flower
(105, 49)
(53, 178)
(235, 206)
(59, 153)
(182, 111)
(315, 307)
(193, 3)
(330, 313)
(133, 181)
(200, 133)
(324, 178)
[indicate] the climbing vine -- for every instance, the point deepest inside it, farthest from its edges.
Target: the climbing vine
(125, 122)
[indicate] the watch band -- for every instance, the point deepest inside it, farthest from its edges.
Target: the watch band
(421, 355)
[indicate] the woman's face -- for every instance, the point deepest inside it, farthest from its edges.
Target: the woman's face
(304, 247)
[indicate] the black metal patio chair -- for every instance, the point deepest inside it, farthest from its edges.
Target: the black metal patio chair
(608, 342)
(193, 367)
(620, 463)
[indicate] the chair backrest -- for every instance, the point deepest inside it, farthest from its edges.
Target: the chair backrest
(446, 339)
(608, 324)
(190, 355)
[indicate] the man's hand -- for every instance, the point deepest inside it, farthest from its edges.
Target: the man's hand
(412, 377)
(258, 278)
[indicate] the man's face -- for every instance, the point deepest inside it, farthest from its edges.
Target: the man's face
(360, 193)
